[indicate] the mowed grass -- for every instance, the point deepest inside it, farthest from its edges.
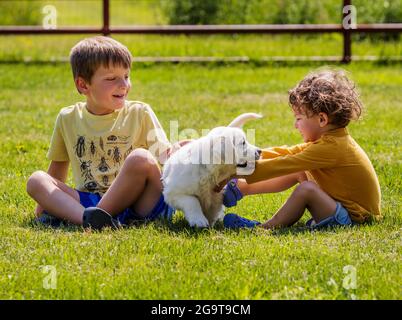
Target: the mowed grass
(171, 261)
(256, 47)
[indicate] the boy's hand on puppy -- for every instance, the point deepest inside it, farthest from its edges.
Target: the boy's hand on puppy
(176, 146)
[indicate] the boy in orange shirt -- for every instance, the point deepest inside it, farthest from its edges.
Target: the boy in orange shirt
(337, 182)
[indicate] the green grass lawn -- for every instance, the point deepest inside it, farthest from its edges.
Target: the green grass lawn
(162, 261)
(44, 48)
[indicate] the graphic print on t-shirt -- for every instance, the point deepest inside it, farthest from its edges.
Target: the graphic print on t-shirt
(80, 147)
(101, 158)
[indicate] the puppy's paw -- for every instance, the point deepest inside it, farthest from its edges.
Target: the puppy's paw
(199, 222)
(221, 214)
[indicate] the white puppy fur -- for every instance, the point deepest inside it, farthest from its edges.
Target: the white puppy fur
(191, 173)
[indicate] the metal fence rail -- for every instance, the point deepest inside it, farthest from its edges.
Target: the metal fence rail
(106, 29)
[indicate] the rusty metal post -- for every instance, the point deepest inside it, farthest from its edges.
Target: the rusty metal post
(106, 15)
(347, 39)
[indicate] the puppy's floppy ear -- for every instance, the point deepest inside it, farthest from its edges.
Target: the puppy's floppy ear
(217, 150)
(210, 150)
(223, 150)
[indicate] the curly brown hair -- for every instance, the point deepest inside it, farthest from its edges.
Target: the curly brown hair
(329, 91)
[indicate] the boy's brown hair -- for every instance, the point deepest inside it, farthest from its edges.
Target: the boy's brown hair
(328, 91)
(89, 54)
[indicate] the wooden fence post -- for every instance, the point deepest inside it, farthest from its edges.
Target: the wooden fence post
(347, 39)
(106, 12)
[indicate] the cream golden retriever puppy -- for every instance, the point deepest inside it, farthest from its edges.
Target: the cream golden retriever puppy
(191, 174)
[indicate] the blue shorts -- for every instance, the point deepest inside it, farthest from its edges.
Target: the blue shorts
(87, 199)
(161, 209)
(340, 218)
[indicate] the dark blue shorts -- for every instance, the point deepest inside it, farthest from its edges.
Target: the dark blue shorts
(161, 209)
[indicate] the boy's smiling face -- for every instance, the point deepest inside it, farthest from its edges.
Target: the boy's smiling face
(310, 127)
(107, 90)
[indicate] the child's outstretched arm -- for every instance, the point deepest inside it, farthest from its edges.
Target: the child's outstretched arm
(273, 185)
(306, 157)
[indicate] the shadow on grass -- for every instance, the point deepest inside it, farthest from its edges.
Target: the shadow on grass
(31, 223)
(181, 227)
(177, 226)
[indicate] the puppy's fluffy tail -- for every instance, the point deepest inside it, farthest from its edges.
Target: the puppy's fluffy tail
(243, 118)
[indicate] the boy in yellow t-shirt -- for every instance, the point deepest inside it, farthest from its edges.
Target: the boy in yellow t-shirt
(111, 143)
(338, 184)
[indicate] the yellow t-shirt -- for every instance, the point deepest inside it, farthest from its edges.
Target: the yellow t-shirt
(97, 145)
(336, 163)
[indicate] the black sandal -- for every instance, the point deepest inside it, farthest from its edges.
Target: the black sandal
(97, 219)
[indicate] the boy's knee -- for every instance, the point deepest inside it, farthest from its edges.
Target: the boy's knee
(35, 180)
(301, 177)
(140, 159)
(306, 188)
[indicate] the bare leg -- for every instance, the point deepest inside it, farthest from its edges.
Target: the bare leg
(55, 197)
(306, 195)
(137, 185)
(272, 185)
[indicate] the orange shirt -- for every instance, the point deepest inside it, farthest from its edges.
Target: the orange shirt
(336, 163)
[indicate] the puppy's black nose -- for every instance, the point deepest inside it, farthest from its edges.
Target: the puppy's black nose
(258, 154)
